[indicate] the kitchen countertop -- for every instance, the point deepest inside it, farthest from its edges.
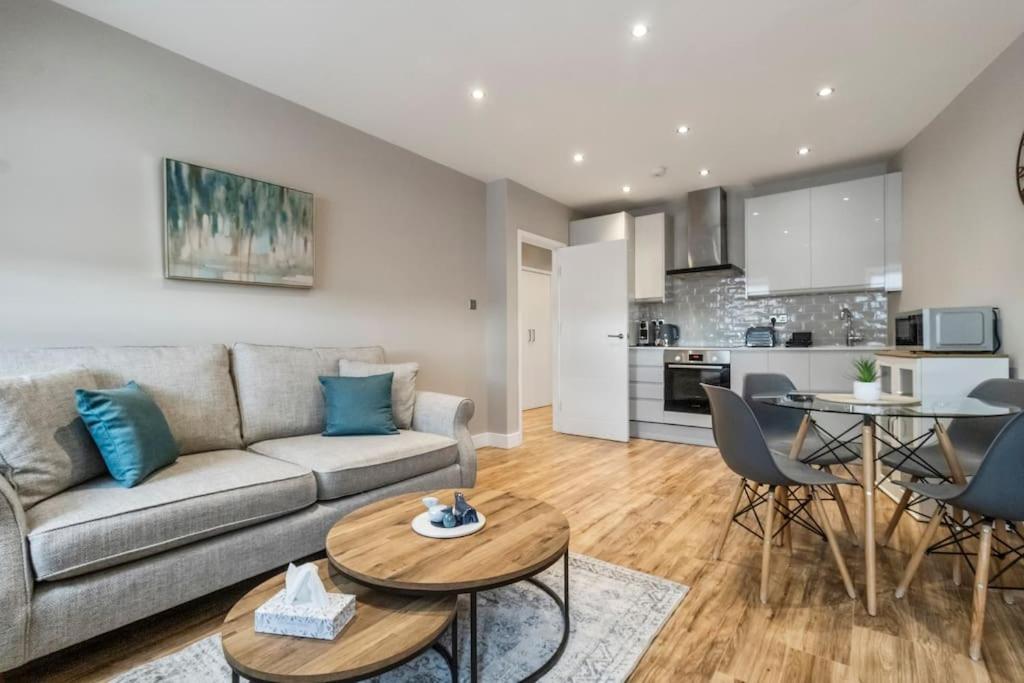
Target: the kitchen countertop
(775, 349)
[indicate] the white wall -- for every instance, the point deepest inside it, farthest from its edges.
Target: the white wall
(963, 220)
(511, 207)
(86, 114)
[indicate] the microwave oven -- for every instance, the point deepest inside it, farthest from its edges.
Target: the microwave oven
(955, 330)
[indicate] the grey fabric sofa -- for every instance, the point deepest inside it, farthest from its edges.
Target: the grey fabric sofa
(255, 488)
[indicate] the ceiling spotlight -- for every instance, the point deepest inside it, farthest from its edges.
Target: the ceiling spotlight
(846, 199)
(827, 91)
(626, 189)
(683, 130)
(477, 93)
(578, 157)
(639, 30)
(705, 172)
(804, 151)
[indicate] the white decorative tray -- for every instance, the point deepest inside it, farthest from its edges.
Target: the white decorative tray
(421, 525)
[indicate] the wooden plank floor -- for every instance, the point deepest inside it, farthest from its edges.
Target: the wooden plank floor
(656, 507)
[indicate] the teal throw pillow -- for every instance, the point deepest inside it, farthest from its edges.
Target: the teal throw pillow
(358, 405)
(130, 431)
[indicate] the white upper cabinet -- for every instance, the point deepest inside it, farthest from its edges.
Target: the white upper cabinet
(893, 232)
(778, 242)
(649, 253)
(848, 235)
(615, 226)
(837, 237)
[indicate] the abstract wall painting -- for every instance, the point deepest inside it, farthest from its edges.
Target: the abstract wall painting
(223, 227)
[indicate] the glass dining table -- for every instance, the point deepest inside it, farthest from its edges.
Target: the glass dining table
(932, 409)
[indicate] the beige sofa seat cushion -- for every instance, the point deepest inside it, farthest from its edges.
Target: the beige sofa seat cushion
(191, 384)
(45, 447)
(346, 465)
(99, 524)
(279, 390)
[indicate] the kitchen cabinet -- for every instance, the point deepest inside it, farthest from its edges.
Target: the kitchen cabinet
(848, 235)
(615, 226)
(778, 242)
(649, 248)
(792, 364)
(893, 232)
(840, 237)
(745, 363)
(646, 385)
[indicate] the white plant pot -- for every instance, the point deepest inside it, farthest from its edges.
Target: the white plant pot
(867, 391)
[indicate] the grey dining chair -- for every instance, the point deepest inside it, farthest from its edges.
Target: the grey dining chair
(994, 504)
(745, 452)
(970, 438)
(781, 425)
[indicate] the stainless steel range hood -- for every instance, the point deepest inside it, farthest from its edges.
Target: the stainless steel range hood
(707, 245)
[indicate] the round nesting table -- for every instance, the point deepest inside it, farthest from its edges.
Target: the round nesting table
(376, 546)
(387, 631)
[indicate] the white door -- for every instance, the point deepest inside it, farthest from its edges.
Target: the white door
(848, 234)
(778, 234)
(535, 329)
(592, 361)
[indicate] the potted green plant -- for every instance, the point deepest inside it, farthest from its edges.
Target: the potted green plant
(866, 384)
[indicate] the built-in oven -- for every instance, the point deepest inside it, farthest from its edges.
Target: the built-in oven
(686, 370)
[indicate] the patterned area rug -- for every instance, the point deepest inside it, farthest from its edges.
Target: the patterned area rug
(615, 612)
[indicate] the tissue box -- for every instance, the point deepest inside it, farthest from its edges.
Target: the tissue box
(281, 618)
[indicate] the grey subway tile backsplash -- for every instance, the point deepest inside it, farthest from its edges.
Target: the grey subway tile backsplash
(713, 310)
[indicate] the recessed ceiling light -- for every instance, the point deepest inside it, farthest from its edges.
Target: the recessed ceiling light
(827, 91)
(757, 213)
(578, 157)
(639, 30)
(683, 130)
(705, 172)
(846, 199)
(804, 151)
(626, 189)
(477, 93)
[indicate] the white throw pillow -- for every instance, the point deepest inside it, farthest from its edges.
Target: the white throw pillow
(403, 386)
(45, 447)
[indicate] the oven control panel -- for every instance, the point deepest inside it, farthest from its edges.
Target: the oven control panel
(698, 356)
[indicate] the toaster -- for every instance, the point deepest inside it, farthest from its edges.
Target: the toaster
(763, 336)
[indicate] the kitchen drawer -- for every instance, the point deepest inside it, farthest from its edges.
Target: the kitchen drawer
(648, 356)
(687, 419)
(650, 374)
(646, 410)
(647, 390)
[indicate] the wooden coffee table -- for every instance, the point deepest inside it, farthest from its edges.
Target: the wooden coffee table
(376, 546)
(387, 631)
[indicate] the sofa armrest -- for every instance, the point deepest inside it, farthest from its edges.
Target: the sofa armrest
(448, 416)
(15, 579)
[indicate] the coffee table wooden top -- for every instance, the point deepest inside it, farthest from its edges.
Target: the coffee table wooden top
(386, 630)
(376, 544)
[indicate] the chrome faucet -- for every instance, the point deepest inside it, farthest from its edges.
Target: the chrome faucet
(851, 336)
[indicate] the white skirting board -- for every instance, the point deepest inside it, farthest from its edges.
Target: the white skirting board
(496, 440)
(656, 431)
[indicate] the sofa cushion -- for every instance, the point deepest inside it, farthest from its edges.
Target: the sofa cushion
(346, 465)
(99, 524)
(403, 385)
(279, 391)
(191, 384)
(44, 446)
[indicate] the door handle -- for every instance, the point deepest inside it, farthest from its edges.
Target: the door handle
(616, 336)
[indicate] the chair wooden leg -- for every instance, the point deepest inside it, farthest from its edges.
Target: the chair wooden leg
(901, 507)
(958, 563)
(844, 513)
(980, 589)
(919, 551)
(766, 546)
(787, 530)
(819, 512)
(1003, 534)
(727, 522)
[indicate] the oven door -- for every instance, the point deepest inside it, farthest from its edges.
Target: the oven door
(683, 391)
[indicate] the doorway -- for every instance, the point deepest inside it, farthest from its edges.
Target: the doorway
(536, 317)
